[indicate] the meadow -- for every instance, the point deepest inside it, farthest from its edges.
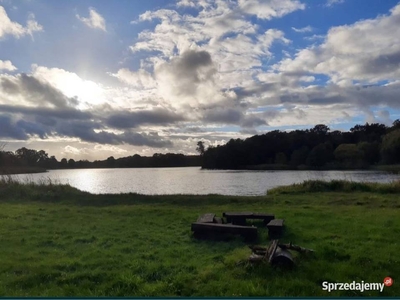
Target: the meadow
(58, 241)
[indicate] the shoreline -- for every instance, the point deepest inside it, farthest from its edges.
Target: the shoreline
(21, 170)
(383, 168)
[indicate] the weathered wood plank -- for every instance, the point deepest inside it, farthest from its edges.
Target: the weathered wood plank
(245, 231)
(218, 220)
(239, 218)
(206, 218)
(238, 214)
(275, 228)
(275, 223)
(271, 250)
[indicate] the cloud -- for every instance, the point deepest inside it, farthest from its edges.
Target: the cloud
(9, 130)
(71, 85)
(95, 20)
(28, 89)
(271, 8)
(186, 78)
(7, 65)
(122, 120)
(303, 30)
(367, 51)
(8, 27)
(187, 3)
(330, 3)
(90, 131)
(224, 116)
(140, 79)
(50, 113)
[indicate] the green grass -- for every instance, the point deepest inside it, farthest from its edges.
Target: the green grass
(58, 241)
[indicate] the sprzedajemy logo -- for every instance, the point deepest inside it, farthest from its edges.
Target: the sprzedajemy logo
(356, 286)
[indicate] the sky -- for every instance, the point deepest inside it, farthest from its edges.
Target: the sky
(92, 79)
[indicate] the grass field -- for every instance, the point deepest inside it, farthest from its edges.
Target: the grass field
(57, 241)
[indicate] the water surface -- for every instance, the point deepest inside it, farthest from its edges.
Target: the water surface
(193, 180)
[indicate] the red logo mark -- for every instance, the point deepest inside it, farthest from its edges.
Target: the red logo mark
(388, 281)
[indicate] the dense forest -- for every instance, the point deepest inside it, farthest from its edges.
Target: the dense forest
(29, 158)
(316, 148)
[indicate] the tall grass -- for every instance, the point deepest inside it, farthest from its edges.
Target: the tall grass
(316, 186)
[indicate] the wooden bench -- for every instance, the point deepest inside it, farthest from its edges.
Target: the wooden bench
(275, 228)
(239, 218)
(206, 218)
(205, 229)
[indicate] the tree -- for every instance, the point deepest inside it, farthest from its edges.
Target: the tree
(111, 161)
(319, 155)
(64, 163)
(369, 152)
(280, 158)
(348, 154)
(320, 129)
(200, 148)
(299, 156)
(71, 163)
(390, 149)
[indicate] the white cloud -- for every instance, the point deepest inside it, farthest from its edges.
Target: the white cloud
(95, 20)
(188, 3)
(8, 27)
(71, 85)
(330, 3)
(7, 65)
(303, 30)
(314, 37)
(368, 51)
(268, 9)
(140, 79)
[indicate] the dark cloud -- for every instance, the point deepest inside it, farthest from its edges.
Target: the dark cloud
(253, 121)
(225, 116)
(32, 128)
(137, 118)
(187, 71)
(46, 121)
(9, 86)
(60, 113)
(327, 100)
(9, 130)
(35, 91)
(249, 131)
(144, 139)
(386, 63)
(256, 90)
(85, 130)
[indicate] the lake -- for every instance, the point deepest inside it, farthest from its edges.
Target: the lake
(192, 180)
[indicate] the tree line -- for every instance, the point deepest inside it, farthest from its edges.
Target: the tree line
(316, 148)
(24, 157)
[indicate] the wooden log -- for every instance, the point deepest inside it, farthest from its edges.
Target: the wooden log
(206, 218)
(291, 246)
(282, 258)
(249, 232)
